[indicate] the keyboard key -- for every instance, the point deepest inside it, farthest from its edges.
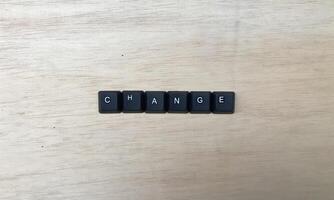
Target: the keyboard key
(223, 102)
(133, 101)
(200, 102)
(155, 102)
(178, 102)
(110, 101)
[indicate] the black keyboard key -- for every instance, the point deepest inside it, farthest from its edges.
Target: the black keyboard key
(223, 102)
(110, 101)
(133, 101)
(155, 102)
(200, 102)
(178, 102)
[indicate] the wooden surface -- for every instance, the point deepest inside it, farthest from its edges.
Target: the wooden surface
(276, 55)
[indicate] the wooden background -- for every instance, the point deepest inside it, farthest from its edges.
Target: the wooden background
(276, 55)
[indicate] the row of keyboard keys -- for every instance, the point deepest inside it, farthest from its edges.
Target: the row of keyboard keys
(161, 102)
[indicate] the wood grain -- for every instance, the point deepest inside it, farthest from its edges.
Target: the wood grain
(276, 55)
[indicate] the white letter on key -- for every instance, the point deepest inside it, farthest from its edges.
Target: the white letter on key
(107, 99)
(176, 100)
(199, 99)
(221, 99)
(154, 101)
(129, 97)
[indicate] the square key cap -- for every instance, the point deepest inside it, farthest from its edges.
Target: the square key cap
(223, 102)
(110, 101)
(133, 101)
(200, 102)
(178, 102)
(155, 101)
